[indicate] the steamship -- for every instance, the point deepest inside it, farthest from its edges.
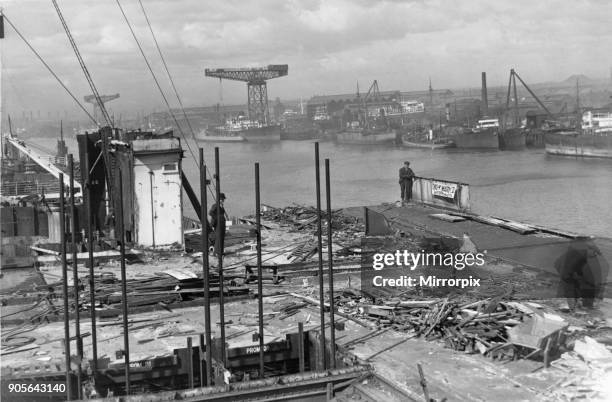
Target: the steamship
(593, 139)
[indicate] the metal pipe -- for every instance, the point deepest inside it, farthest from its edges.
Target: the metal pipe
(65, 287)
(92, 290)
(259, 272)
(205, 268)
(516, 105)
(152, 209)
(301, 346)
(330, 263)
(220, 256)
(485, 95)
(124, 304)
(201, 365)
(320, 252)
(75, 278)
(190, 362)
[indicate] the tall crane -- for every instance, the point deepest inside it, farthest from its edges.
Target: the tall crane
(256, 86)
(96, 101)
(512, 86)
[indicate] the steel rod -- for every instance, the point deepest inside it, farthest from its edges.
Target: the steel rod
(259, 272)
(124, 304)
(205, 269)
(75, 278)
(220, 256)
(301, 346)
(90, 250)
(330, 263)
(190, 362)
(62, 222)
(320, 253)
(152, 209)
(201, 363)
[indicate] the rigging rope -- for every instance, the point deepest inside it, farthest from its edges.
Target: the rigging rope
(178, 98)
(83, 66)
(155, 79)
(50, 70)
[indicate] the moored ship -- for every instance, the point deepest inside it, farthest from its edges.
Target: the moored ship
(593, 140)
(242, 129)
(366, 136)
(512, 138)
(484, 136)
(298, 127)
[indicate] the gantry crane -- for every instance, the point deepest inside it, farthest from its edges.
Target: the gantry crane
(96, 107)
(256, 86)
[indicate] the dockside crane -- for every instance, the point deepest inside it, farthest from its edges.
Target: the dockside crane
(256, 86)
(512, 86)
(96, 101)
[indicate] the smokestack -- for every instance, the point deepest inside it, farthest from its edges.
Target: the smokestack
(485, 101)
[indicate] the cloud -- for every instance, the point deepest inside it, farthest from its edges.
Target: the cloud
(328, 44)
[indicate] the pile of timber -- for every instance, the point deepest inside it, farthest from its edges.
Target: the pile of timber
(158, 288)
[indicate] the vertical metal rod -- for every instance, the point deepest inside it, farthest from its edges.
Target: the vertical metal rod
(516, 102)
(92, 290)
(330, 263)
(301, 346)
(205, 268)
(320, 252)
(152, 209)
(65, 287)
(124, 304)
(259, 272)
(190, 362)
(75, 277)
(220, 256)
(201, 365)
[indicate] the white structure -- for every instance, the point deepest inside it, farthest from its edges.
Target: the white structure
(158, 207)
(597, 121)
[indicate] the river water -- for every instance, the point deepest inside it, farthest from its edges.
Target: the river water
(531, 186)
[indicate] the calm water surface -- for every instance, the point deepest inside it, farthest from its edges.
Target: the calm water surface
(560, 192)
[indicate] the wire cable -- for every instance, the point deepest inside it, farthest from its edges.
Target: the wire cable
(178, 98)
(155, 78)
(82, 64)
(50, 70)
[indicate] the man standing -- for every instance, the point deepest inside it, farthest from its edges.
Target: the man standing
(406, 175)
(218, 227)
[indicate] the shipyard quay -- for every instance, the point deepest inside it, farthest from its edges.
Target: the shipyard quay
(306, 201)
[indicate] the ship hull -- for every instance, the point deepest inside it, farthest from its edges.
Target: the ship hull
(426, 145)
(485, 139)
(361, 138)
(265, 133)
(513, 138)
(582, 145)
(221, 138)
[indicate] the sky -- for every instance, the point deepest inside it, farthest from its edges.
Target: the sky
(329, 45)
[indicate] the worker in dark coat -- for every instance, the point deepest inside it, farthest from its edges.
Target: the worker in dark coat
(218, 226)
(406, 175)
(583, 273)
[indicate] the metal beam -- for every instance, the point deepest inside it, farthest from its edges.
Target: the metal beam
(255, 75)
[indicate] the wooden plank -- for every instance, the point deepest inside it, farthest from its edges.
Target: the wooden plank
(447, 217)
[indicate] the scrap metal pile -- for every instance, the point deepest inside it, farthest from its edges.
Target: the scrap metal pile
(499, 329)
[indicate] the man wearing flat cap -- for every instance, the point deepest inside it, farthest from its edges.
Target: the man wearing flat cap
(406, 175)
(218, 226)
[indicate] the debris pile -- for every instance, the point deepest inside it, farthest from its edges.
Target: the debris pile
(502, 330)
(305, 218)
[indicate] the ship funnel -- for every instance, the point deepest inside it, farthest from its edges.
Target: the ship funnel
(485, 101)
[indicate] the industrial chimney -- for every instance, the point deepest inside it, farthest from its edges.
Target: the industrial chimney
(485, 101)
